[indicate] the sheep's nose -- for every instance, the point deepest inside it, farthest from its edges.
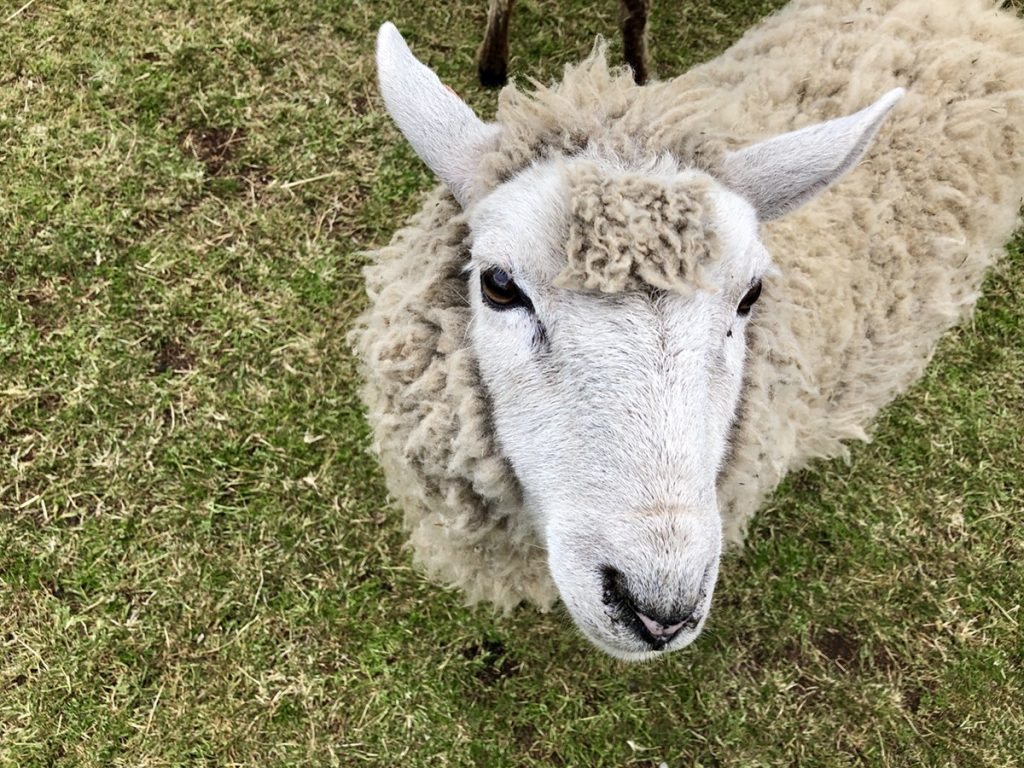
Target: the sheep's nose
(655, 628)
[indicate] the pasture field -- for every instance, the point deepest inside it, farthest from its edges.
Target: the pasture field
(198, 563)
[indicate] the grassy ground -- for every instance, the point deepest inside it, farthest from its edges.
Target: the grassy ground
(197, 562)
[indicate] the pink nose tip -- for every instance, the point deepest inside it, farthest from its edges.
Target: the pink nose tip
(659, 630)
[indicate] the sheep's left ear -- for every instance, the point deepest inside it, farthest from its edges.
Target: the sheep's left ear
(782, 173)
(445, 133)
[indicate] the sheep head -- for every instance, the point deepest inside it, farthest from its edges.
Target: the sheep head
(611, 297)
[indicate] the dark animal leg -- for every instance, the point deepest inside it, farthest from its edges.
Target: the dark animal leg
(492, 60)
(633, 22)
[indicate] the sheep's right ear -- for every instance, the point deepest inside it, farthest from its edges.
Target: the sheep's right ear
(445, 133)
(781, 174)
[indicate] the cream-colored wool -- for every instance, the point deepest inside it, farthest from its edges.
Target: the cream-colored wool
(627, 232)
(870, 274)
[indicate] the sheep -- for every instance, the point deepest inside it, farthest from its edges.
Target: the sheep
(622, 319)
(492, 58)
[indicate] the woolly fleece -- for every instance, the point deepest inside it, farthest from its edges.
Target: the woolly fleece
(628, 232)
(870, 274)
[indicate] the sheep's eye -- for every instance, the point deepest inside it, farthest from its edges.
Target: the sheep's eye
(748, 301)
(500, 291)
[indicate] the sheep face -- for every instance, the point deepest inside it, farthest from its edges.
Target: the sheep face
(610, 304)
(614, 407)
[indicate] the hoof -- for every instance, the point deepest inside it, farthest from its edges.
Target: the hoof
(491, 77)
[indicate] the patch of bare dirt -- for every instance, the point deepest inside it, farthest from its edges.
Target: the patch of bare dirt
(171, 355)
(840, 646)
(213, 147)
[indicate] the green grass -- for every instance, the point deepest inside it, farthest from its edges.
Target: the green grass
(197, 562)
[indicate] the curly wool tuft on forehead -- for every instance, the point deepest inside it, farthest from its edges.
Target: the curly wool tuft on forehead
(628, 232)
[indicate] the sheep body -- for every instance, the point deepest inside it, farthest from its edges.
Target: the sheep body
(870, 275)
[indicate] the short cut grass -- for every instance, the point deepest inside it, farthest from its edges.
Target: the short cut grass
(198, 563)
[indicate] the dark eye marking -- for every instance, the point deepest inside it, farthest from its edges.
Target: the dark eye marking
(500, 291)
(748, 300)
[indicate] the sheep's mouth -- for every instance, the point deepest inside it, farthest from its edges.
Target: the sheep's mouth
(624, 613)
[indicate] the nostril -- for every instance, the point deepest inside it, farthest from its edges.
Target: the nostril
(613, 584)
